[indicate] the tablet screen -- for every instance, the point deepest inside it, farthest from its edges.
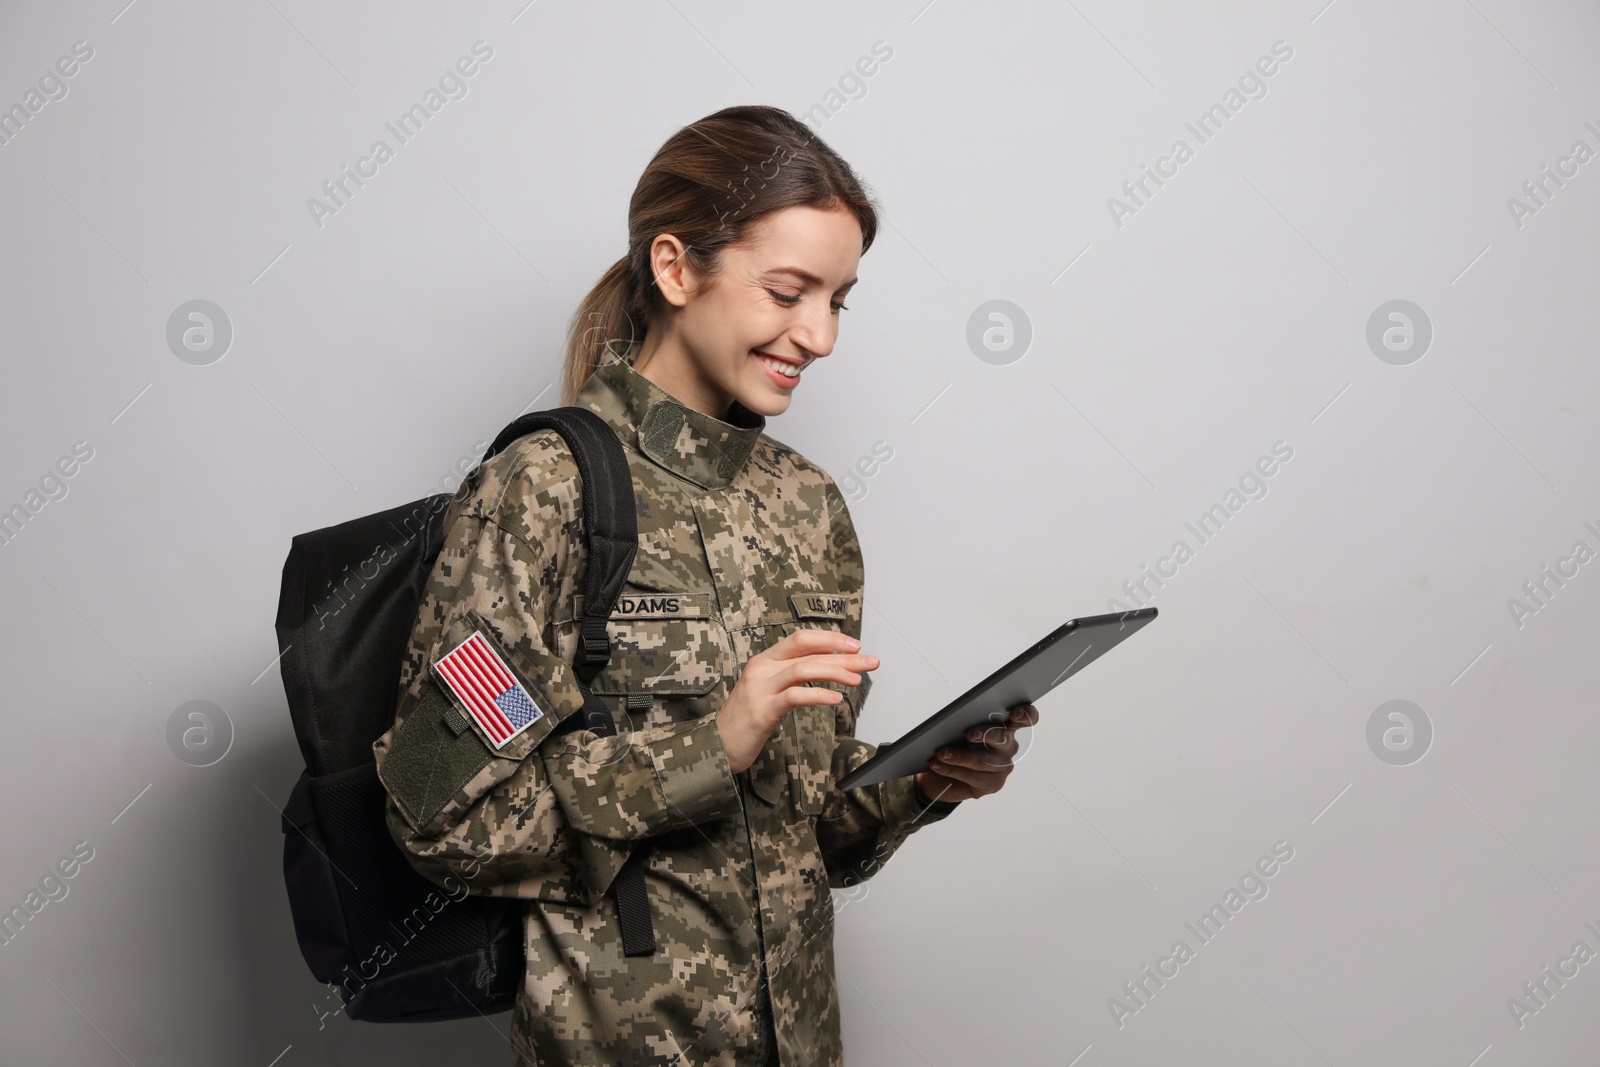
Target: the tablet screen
(1050, 661)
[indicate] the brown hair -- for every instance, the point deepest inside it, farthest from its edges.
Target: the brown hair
(705, 185)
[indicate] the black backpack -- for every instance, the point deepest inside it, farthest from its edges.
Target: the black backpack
(346, 608)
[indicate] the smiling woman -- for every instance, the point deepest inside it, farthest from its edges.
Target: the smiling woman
(675, 875)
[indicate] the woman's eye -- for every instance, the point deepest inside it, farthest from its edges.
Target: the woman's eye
(790, 301)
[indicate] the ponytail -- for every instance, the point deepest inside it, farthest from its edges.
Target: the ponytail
(608, 313)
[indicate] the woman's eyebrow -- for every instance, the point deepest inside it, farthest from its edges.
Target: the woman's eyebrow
(807, 276)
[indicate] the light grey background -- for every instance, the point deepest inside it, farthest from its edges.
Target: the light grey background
(1169, 353)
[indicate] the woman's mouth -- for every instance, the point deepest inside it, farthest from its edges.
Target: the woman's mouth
(783, 374)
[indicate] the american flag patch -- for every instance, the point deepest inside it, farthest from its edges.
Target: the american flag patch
(483, 683)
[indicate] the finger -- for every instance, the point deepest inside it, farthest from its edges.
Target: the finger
(1016, 718)
(981, 783)
(810, 640)
(1023, 715)
(799, 696)
(1006, 749)
(831, 668)
(987, 759)
(998, 739)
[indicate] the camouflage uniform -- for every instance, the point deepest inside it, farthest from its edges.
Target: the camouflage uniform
(741, 541)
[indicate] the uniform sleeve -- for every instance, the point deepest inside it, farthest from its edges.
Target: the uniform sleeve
(536, 815)
(859, 829)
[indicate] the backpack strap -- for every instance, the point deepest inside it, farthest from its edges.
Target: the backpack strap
(610, 524)
(611, 533)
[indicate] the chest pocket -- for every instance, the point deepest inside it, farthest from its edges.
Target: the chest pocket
(795, 766)
(810, 732)
(666, 642)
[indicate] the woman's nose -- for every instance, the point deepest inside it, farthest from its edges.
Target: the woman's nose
(815, 335)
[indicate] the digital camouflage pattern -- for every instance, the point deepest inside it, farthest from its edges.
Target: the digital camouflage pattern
(741, 541)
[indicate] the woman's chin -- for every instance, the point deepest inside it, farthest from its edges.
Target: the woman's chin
(763, 397)
(767, 402)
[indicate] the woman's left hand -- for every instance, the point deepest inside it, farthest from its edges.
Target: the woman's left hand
(980, 767)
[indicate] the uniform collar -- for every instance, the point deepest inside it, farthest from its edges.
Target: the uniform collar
(691, 444)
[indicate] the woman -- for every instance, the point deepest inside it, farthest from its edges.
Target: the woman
(736, 674)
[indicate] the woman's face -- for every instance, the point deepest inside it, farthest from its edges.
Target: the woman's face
(776, 300)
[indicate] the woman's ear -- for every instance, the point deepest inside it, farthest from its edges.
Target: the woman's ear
(674, 276)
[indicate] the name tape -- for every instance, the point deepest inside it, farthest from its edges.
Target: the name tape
(655, 606)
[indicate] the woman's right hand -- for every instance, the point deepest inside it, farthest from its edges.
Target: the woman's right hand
(774, 683)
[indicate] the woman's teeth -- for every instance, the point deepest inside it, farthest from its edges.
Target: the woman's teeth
(788, 370)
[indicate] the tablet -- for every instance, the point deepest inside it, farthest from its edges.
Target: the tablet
(1067, 650)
